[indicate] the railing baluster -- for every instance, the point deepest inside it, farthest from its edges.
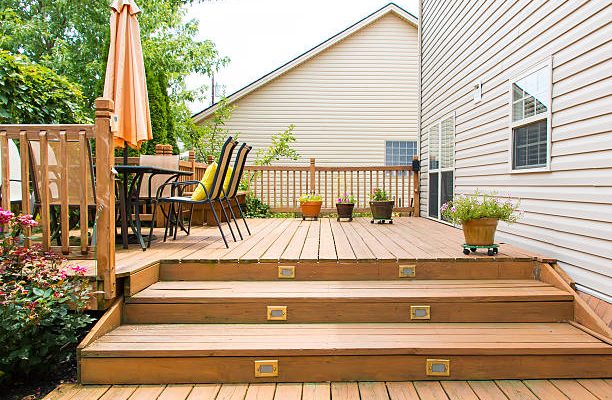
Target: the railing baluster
(268, 186)
(6, 177)
(44, 192)
(63, 193)
(325, 186)
(24, 149)
(83, 208)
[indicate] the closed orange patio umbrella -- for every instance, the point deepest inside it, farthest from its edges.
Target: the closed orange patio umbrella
(125, 81)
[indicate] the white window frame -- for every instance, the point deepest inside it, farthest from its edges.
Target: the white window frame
(547, 64)
(440, 170)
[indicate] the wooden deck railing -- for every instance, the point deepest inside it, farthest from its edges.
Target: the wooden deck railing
(56, 172)
(281, 186)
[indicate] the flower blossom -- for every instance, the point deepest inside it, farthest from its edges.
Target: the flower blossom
(78, 269)
(5, 216)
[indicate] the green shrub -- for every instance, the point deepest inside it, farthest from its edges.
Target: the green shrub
(33, 94)
(463, 208)
(42, 304)
(255, 208)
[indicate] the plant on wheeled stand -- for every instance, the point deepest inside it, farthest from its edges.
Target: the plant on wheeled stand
(345, 205)
(310, 204)
(381, 206)
(478, 215)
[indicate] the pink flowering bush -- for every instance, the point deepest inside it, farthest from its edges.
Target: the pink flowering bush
(42, 303)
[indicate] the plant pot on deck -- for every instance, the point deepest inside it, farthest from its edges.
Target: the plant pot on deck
(382, 210)
(480, 232)
(345, 210)
(310, 209)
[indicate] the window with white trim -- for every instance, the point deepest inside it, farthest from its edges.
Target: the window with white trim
(530, 122)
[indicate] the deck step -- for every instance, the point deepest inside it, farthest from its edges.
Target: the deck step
(308, 270)
(195, 353)
(349, 301)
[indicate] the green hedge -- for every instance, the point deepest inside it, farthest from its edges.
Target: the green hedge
(33, 94)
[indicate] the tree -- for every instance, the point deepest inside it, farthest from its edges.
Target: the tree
(71, 37)
(31, 93)
(208, 138)
(279, 148)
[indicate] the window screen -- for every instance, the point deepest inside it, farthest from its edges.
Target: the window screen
(530, 145)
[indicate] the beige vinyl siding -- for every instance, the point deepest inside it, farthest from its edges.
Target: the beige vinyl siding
(568, 211)
(345, 102)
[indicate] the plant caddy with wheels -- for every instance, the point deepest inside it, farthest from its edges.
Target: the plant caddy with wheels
(381, 206)
(478, 215)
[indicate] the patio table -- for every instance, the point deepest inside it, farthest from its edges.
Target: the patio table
(129, 196)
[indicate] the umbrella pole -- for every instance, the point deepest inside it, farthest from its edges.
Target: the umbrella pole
(124, 200)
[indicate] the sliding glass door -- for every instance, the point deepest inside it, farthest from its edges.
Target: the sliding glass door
(441, 164)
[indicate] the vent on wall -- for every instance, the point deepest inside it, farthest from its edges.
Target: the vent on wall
(477, 92)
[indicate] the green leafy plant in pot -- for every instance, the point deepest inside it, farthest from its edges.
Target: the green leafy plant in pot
(479, 214)
(381, 205)
(345, 205)
(310, 205)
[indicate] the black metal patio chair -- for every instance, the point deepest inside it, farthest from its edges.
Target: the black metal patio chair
(177, 199)
(234, 184)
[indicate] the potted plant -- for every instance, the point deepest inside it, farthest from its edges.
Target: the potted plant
(310, 204)
(382, 206)
(478, 215)
(345, 205)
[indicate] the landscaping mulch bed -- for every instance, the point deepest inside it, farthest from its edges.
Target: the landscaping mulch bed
(37, 388)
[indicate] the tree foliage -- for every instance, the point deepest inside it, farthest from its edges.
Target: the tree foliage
(31, 93)
(208, 138)
(72, 38)
(281, 147)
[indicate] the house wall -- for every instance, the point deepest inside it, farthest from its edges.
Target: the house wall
(568, 211)
(345, 101)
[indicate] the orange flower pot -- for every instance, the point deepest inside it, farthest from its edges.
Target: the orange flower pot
(311, 209)
(480, 232)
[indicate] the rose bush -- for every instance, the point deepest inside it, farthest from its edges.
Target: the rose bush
(42, 303)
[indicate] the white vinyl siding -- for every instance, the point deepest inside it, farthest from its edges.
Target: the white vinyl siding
(345, 102)
(567, 208)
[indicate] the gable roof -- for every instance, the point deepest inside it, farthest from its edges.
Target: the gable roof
(389, 8)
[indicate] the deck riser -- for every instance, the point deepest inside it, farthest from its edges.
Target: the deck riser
(299, 312)
(309, 271)
(339, 368)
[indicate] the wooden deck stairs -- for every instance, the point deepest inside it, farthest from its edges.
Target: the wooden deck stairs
(368, 321)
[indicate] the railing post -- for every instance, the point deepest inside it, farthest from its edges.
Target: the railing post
(192, 160)
(105, 196)
(312, 175)
(417, 191)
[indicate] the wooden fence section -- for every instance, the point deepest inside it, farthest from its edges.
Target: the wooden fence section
(281, 186)
(57, 176)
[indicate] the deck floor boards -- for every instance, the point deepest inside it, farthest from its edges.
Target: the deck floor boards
(597, 389)
(290, 239)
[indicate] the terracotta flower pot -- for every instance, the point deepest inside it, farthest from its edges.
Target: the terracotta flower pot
(382, 209)
(311, 209)
(345, 210)
(480, 232)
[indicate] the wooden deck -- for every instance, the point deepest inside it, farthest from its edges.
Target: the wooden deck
(584, 389)
(291, 239)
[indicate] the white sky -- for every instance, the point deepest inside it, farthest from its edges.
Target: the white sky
(260, 35)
